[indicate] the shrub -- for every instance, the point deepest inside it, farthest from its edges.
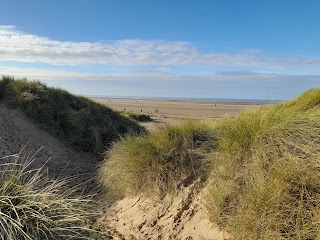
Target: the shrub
(157, 163)
(35, 207)
(264, 182)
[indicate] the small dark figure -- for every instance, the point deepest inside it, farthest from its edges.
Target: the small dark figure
(141, 110)
(124, 109)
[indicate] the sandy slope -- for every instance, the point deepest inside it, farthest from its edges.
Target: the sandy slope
(16, 131)
(180, 217)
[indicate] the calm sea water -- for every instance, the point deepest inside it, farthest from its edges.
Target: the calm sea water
(191, 99)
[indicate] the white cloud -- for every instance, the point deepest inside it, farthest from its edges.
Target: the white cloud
(16, 45)
(19, 46)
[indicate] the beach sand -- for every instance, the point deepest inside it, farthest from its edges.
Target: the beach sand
(172, 111)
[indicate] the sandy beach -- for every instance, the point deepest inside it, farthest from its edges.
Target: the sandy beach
(171, 111)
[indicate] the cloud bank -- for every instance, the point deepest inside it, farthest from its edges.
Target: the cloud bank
(223, 84)
(155, 76)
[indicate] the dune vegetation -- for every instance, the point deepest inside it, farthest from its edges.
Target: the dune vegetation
(141, 117)
(33, 206)
(260, 170)
(264, 182)
(76, 121)
(157, 163)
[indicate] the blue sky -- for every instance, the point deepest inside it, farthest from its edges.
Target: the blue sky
(168, 48)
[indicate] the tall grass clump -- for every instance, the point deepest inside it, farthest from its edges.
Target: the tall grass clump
(77, 121)
(265, 181)
(157, 163)
(35, 207)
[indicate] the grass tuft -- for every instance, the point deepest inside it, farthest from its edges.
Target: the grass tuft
(157, 163)
(264, 182)
(35, 207)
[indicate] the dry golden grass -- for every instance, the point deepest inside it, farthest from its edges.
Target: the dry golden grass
(265, 180)
(35, 207)
(155, 164)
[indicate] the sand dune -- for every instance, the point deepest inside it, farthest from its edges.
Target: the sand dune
(182, 217)
(17, 132)
(131, 218)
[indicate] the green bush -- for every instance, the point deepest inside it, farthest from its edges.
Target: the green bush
(76, 121)
(35, 207)
(157, 163)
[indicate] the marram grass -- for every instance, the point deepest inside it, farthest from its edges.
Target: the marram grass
(35, 207)
(155, 164)
(265, 181)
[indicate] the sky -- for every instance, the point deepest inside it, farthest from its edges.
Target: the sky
(248, 49)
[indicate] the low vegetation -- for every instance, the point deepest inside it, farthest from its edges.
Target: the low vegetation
(141, 117)
(265, 180)
(35, 207)
(157, 163)
(76, 121)
(264, 168)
